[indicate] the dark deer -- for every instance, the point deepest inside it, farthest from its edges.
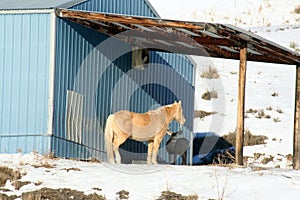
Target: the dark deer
(177, 146)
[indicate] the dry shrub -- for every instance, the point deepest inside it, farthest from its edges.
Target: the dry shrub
(269, 108)
(289, 157)
(260, 114)
(54, 194)
(251, 110)
(208, 95)
(297, 9)
(169, 195)
(274, 94)
(266, 160)
(19, 184)
(8, 174)
(123, 194)
(210, 73)
(279, 111)
(258, 155)
(276, 119)
(249, 138)
(6, 197)
(72, 169)
(202, 114)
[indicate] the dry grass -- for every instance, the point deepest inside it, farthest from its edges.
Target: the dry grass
(72, 169)
(123, 194)
(251, 111)
(297, 9)
(276, 119)
(266, 160)
(210, 73)
(202, 114)
(19, 184)
(8, 174)
(169, 195)
(208, 95)
(274, 94)
(279, 111)
(249, 138)
(269, 108)
(53, 194)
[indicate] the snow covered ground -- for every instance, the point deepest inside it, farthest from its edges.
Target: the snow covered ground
(269, 88)
(148, 181)
(277, 21)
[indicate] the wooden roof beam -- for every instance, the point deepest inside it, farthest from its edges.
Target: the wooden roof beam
(126, 19)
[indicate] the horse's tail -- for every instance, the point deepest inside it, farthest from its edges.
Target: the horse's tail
(109, 138)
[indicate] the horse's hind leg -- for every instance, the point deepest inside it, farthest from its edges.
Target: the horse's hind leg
(120, 139)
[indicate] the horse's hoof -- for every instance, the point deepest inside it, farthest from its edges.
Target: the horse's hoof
(112, 162)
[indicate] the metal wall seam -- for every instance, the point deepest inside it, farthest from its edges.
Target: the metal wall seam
(51, 73)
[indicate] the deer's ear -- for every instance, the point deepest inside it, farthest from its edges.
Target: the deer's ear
(179, 102)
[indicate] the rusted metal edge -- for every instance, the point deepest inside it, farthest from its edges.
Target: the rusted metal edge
(173, 32)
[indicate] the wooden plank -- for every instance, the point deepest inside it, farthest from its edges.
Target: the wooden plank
(127, 19)
(241, 104)
(296, 145)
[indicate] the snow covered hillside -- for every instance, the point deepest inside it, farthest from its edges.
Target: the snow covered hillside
(242, 13)
(270, 88)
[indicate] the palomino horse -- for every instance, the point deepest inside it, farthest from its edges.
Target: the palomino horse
(150, 126)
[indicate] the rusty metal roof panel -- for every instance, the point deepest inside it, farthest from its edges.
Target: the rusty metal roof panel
(210, 34)
(217, 40)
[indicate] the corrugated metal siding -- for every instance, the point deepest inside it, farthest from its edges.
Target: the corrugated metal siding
(169, 77)
(119, 87)
(74, 43)
(25, 144)
(125, 7)
(24, 67)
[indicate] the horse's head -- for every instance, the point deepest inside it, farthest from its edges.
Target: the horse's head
(179, 113)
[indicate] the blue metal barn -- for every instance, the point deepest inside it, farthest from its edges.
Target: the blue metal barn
(57, 86)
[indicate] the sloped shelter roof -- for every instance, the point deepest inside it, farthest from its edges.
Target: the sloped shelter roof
(36, 4)
(192, 38)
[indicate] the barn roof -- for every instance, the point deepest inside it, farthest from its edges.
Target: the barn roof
(36, 4)
(192, 38)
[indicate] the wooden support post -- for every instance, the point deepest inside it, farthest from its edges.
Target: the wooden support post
(296, 146)
(241, 105)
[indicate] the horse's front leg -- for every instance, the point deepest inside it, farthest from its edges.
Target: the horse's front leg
(157, 141)
(150, 149)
